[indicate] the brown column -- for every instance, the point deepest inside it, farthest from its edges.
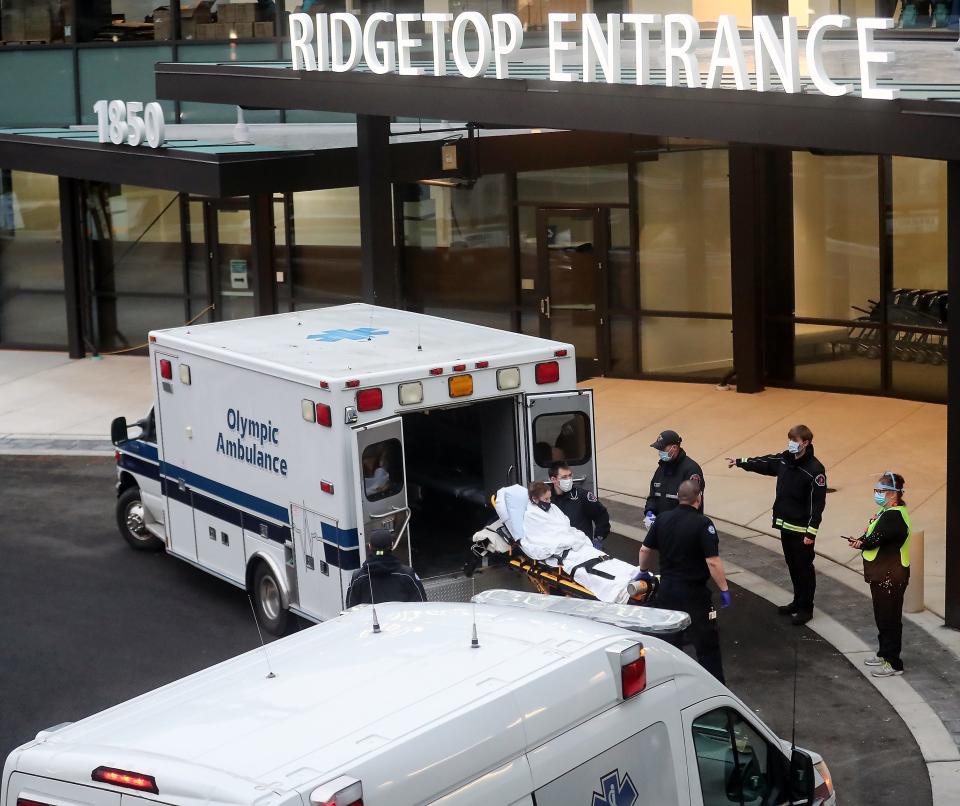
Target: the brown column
(952, 582)
(70, 235)
(261, 229)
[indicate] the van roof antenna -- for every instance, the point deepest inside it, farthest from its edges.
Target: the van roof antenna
(474, 640)
(796, 672)
(263, 646)
(370, 329)
(373, 603)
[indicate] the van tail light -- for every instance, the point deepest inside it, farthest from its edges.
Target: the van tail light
(547, 372)
(370, 399)
(823, 791)
(633, 671)
(125, 778)
(29, 802)
(342, 791)
(116, 457)
(324, 415)
(166, 369)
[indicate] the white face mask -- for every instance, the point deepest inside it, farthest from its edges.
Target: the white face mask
(793, 446)
(565, 485)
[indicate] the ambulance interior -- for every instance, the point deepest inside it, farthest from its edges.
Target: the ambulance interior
(456, 458)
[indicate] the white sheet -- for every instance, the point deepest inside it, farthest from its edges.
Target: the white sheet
(511, 504)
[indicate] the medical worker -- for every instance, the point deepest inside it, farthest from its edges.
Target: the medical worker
(582, 507)
(674, 468)
(382, 577)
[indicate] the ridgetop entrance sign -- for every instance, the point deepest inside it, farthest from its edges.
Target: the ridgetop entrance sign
(336, 42)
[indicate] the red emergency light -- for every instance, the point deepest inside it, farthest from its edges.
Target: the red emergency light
(352, 384)
(482, 364)
(166, 369)
(459, 367)
(29, 802)
(125, 778)
(436, 371)
(370, 399)
(547, 372)
(326, 487)
(324, 415)
(560, 353)
(633, 676)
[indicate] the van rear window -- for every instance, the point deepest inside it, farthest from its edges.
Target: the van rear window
(382, 469)
(563, 437)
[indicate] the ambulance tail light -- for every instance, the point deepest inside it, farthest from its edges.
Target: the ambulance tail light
(166, 369)
(560, 353)
(508, 378)
(342, 791)
(547, 372)
(324, 415)
(633, 671)
(460, 385)
(370, 399)
(482, 364)
(126, 779)
(30, 802)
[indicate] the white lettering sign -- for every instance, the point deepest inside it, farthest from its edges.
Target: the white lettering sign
(337, 41)
(119, 122)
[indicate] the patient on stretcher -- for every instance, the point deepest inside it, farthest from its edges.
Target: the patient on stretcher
(545, 534)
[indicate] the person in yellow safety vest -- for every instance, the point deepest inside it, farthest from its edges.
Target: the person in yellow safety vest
(885, 547)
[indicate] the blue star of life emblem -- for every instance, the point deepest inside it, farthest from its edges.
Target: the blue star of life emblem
(339, 334)
(615, 791)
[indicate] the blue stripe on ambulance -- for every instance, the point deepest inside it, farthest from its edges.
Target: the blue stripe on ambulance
(340, 546)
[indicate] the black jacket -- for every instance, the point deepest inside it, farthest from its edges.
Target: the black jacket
(801, 489)
(585, 512)
(391, 580)
(667, 479)
(685, 539)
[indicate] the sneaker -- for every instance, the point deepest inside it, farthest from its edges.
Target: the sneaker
(787, 609)
(886, 670)
(876, 660)
(800, 618)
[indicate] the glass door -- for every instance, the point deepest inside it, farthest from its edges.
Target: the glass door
(572, 258)
(231, 257)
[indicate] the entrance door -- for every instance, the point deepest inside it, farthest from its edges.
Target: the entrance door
(572, 258)
(382, 490)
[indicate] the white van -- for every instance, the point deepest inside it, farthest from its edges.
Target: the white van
(549, 709)
(275, 443)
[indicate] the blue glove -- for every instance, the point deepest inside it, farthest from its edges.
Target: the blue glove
(725, 599)
(646, 576)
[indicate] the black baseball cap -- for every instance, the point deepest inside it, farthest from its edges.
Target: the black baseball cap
(666, 438)
(381, 540)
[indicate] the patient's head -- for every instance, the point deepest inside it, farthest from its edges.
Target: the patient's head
(539, 492)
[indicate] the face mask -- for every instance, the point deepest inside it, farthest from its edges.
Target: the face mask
(565, 485)
(793, 446)
(880, 498)
(664, 456)
(544, 505)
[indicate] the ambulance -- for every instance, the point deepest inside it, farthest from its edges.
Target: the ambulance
(275, 444)
(515, 700)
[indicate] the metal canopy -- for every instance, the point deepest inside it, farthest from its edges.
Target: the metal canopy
(925, 122)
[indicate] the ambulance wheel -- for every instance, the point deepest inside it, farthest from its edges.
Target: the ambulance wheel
(269, 603)
(131, 521)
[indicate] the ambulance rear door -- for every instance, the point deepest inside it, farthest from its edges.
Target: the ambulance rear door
(559, 427)
(378, 463)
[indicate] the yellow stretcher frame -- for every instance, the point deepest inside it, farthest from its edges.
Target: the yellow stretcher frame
(549, 580)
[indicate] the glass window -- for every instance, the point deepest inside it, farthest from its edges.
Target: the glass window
(562, 437)
(32, 304)
(842, 356)
(124, 73)
(124, 321)
(35, 23)
(42, 94)
(836, 235)
(735, 763)
(325, 250)
(382, 469)
(908, 14)
(454, 235)
(700, 348)
(684, 217)
(601, 184)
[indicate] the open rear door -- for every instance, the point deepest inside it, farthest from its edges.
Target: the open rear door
(560, 427)
(379, 464)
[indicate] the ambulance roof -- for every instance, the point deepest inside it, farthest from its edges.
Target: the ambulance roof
(342, 694)
(353, 341)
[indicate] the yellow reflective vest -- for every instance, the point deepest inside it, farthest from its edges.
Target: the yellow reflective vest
(869, 555)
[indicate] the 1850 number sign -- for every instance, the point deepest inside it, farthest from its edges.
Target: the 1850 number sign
(120, 122)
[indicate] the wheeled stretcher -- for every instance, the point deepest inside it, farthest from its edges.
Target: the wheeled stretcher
(583, 575)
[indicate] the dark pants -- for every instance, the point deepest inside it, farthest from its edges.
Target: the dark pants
(888, 612)
(799, 559)
(694, 600)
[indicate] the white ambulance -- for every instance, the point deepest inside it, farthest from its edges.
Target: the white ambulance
(545, 708)
(276, 443)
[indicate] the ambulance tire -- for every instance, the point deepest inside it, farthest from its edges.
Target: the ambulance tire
(130, 520)
(271, 613)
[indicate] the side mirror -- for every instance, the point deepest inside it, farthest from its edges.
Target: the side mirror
(118, 430)
(801, 783)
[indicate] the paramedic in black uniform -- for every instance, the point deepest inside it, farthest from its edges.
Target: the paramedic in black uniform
(675, 467)
(797, 512)
(582, 507)
(689, 550)
(382, 577)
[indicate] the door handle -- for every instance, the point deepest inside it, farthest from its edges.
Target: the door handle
(402, 529)
(545, 307)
